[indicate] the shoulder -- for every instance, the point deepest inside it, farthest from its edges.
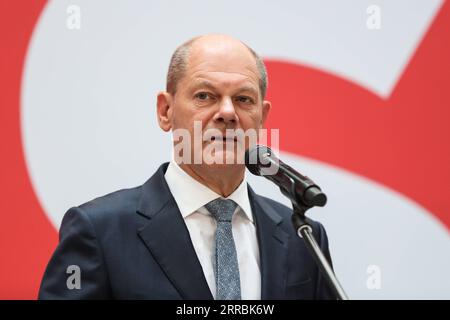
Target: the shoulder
(113, 203)
(110, 210)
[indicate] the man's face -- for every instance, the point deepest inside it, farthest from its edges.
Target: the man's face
(220, 90)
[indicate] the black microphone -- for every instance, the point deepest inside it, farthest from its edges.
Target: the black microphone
(261, 161)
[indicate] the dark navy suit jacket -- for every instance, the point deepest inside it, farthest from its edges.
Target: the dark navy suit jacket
(134, 244)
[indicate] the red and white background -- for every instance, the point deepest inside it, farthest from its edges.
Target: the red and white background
(364, 112)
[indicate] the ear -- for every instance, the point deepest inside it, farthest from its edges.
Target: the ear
(266, 105)
(164, 110)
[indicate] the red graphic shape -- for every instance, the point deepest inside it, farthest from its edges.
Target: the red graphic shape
(27, 238)
(401, 142)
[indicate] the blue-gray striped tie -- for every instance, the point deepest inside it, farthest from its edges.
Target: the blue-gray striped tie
(228, 286)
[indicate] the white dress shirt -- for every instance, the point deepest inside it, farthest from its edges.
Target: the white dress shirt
(191, 197)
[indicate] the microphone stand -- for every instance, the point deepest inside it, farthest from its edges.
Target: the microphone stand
(304, 231)
(304, 194)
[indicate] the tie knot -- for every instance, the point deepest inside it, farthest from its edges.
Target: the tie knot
(221, 209)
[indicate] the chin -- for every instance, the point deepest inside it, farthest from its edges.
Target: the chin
(223, 160)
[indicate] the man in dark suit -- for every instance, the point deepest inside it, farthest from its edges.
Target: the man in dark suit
(195, 229)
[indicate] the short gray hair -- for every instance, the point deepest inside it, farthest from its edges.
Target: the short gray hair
(179, 60)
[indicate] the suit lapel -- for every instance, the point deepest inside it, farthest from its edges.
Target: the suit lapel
(273, 247)
(167, 238)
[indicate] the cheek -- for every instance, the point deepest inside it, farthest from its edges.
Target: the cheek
(182, 115)
(188, 117)
(251, 119)
(204, 115)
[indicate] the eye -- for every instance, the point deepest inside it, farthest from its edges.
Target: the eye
(245, 99)
(203, 96)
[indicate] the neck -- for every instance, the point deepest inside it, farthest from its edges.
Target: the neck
(222, 180)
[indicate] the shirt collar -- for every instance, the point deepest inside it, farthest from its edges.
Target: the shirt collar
(190, 195)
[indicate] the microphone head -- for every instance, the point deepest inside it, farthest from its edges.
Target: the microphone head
(315, 197)
(254, 156)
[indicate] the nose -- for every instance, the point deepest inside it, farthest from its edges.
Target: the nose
(226, 113)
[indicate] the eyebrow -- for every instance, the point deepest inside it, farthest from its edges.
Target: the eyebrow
(207, 84)
(248, 89)
(203, 83)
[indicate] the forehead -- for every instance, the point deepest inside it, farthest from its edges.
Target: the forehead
(222, 63)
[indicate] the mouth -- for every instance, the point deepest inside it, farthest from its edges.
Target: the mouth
(223, 139)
